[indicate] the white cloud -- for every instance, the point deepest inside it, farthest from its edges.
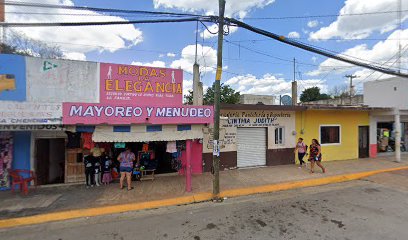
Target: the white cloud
(170, 54)
(383, 52)
(74, 39)
(161, 55)
(314, 59)
(269, 84)
(207, 59)
(361, 26)
(313, 23)
(214, 29)
(210, 7)
(160, 64)
(75, 56)
(293, 35)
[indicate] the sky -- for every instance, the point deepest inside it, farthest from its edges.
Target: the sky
(365, 29)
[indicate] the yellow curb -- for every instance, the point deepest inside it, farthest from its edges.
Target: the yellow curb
(200, 197)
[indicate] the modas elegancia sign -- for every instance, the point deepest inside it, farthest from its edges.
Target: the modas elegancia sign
(88, 113)
(140, 84)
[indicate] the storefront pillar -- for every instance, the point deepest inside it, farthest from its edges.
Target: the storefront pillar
(397, 131)
(188, 165)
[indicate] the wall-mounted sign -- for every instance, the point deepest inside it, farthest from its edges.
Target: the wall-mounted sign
(26, 113)
(139, 84)
(86, 113)
(31, 128)
(12, 78)
(255, 118)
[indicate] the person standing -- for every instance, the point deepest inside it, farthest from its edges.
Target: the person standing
(301, 149)
(315, 156)
(106, 168)
(126, 159)
(89, 170)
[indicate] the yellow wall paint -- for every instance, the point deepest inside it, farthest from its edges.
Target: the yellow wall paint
(308, 124)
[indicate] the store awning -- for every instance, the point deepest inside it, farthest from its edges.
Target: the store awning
(138, 134)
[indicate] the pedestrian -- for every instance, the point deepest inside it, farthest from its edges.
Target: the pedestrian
(106, 169)
(301, 149)
(126, 159)
(315, 156)
(89, 169)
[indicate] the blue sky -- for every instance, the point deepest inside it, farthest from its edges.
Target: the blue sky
(172, 44)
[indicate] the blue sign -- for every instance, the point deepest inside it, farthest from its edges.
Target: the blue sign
(12, 77)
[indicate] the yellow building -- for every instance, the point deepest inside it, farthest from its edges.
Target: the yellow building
(343, 132)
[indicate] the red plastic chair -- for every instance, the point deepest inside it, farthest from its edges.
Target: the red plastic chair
(22, 178)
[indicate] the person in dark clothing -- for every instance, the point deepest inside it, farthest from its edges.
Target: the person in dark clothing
(89, 162)
(315, 156)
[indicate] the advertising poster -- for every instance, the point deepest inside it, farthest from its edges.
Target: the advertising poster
(6, 157)
(140, 84)
(12, 78)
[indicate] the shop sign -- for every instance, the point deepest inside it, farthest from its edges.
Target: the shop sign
(140, 84)
(88, 113)
(256, 118)
(26, 113)
(31, 128)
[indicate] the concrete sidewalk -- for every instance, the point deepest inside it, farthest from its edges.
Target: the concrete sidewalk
(78, 197)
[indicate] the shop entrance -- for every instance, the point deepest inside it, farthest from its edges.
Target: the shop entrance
(159, 158)
(50, 160)
(363, 139)
(251, 147)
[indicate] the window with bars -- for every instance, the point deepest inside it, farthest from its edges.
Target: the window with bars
(279, 135)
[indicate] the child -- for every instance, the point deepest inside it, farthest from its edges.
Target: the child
(106, 168)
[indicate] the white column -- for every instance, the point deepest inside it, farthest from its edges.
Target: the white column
(397, 133)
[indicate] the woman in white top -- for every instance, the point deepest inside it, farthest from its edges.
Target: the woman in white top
(301, 148)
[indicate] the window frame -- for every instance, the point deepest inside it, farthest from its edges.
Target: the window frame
(151, 128)
(282, 135)
(122, 128)
(184, 127)
(329, 144)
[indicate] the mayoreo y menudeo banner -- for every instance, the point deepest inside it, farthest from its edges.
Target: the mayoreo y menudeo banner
(89, 113)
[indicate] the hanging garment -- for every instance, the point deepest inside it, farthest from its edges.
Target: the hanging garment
(87, 138)
(171, 147)
(145, 147)
(74, 139)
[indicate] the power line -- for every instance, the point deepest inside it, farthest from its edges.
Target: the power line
(103, 23)
(324, 16)
(94, 9)
(315, 50)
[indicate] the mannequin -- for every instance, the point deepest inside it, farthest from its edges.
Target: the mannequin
(89, 169)
(97, 168)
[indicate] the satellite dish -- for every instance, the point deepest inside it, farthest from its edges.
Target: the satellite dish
(286, 100)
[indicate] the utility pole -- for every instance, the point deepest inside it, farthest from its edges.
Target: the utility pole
(217, 93)
(399, 12)
(294, 84)
(351, 77)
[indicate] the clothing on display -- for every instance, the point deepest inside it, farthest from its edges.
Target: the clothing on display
(74, 139)
(171, 147)
(89, 170)
(87, 141)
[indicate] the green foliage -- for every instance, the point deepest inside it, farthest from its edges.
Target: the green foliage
(228, 95)
(313, 94)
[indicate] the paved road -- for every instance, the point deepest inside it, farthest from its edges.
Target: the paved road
(374, 208)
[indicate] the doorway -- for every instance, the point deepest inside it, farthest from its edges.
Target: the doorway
(363, 140)
(50, 160)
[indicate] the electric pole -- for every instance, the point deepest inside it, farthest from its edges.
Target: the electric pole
(217, 92)
(351, 77)
(294, 84)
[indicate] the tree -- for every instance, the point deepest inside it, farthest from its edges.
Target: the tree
(340, 91)
(18, 43)
(313, 94)
(228, 95)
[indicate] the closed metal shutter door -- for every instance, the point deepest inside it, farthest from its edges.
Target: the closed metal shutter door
(251, 147)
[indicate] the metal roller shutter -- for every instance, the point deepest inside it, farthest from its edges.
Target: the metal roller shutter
(251, 147)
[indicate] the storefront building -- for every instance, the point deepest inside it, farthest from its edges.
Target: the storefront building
(253, 136)
(343, 132)
(148, 112)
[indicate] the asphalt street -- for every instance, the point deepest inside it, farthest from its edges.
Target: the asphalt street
(373, 208)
